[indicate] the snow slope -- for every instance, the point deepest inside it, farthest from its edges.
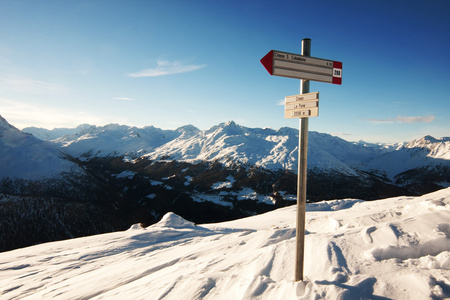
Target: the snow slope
(396, 248)
(27, 157)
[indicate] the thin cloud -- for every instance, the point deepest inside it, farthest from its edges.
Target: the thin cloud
(166, 68)
(123, 98)
(425, 119)
(31, 86)
(403, 119)
(280, 102)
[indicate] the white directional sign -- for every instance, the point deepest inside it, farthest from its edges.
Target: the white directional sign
(301, 106)
(301, 97)
(302, 67)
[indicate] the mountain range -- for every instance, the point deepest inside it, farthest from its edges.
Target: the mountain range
(115, 175)
(226, 142)
(229, 142)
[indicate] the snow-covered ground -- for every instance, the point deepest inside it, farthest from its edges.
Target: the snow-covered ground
(396, 248)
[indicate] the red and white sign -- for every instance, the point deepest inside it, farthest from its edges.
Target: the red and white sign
(302, 67)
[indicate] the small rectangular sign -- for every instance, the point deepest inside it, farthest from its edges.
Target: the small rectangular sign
(301, 97)
(301, 113)
(301, 104)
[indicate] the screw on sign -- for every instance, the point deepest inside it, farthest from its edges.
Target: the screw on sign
(304, 67)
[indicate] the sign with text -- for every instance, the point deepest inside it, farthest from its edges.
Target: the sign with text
(301, 106)
(302, 67)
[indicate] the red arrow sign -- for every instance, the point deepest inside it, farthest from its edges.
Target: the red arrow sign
(267, 62)
(302, 67)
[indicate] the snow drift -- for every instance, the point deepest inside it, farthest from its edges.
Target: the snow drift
(397, 248)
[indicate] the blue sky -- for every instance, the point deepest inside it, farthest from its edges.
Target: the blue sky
(171, 63)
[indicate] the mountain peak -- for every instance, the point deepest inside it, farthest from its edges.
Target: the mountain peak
(231, 123)
(426, 141)
(188, 128)
(231, 128)
(4, 125)
(84, 126)
(429, 138)
(287, 131)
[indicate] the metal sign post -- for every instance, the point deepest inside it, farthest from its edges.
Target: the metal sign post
(302, 106)
(301, 177)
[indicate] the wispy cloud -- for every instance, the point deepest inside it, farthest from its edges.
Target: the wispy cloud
(31, 86)
(280, 102)
(403, 119)
(164, 67)
(123, 98)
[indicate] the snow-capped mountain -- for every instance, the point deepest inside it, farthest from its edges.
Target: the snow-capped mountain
(226, 143)
(48, 135)
(438, 148)
(117, 140)
(230, 143)
(26, 157)
(422, 165)
(421, 153)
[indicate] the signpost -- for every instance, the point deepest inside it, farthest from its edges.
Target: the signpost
(302, 106)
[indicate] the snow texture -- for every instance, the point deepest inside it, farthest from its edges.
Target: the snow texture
(397, 248)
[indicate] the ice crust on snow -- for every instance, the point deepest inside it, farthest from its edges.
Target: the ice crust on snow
(396, 248)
